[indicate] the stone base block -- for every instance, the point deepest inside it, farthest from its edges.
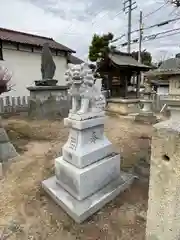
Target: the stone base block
(81, 210)
(146, 117)
(7, 151)
(88, 154)
(81, 183)
(86, 143)
(48, 102)
(123, 106)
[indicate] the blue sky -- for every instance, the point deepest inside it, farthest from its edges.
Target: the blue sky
(73, 22)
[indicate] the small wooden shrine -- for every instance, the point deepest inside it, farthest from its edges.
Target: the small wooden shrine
(120, 72)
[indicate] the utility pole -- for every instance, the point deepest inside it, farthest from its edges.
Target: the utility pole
(140, 36)
(129, 6)
(139, 77)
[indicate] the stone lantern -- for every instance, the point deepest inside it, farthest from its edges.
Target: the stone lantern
(170, 70)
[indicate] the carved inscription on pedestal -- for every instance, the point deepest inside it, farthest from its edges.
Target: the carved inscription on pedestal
(73, 141)
(94, 137)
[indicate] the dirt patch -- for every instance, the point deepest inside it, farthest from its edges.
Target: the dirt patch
(21, 132)
(131, 139)
(28, 213)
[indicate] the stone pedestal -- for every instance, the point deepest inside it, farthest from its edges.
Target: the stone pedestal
(7, 150)
(48, 102)
(163, 216)
(174, 107)
(146, 114)
(87, 175)
(123, 106)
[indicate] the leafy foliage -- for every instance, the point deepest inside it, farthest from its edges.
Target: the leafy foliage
(99, 47)
(146, 57)
(5, 77)
(159, 63)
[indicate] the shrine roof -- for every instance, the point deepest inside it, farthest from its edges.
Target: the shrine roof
(126, 60)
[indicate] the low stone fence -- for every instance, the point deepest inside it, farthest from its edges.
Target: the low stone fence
(10, 106)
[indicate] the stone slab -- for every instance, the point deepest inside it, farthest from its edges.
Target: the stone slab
(123, 100)
(81, 210)
(148, 118)
(146, 100)
(80, 125)
(81, 183)
(47, 88)
(85, 116)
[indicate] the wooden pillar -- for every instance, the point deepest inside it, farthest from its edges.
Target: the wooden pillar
(109, 83)
(126, 87)
(123, 85)
(138, 85)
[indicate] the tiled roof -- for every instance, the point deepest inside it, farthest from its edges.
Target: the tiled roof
(168, 67)
(170, 64)
(75, 60)
(126, 60)
(31, 39)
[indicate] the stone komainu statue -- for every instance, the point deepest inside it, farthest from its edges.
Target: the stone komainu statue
(86, 97)
(48, 66)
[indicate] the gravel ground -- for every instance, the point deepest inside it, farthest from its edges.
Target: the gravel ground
(26, 212)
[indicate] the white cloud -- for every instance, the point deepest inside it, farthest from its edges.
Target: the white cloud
(73, 23)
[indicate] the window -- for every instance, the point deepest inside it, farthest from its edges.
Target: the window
(1, 51)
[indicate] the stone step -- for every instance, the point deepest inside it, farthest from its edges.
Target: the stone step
(81, 210)
(81, 183)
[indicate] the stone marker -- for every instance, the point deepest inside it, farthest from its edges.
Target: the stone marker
(48, 68)
(48, 100)
(163, 217)
(87, 175)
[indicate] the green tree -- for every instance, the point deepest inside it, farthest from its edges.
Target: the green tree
(99, 47)
(159, 63)
(146, 57)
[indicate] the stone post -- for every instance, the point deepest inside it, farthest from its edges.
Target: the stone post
(87, 175)
(163, 217)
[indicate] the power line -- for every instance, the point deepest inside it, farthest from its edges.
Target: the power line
(117, 14)
(154, 25)
(158, 24)
(149, 14)
(152, 36)
(171, 34)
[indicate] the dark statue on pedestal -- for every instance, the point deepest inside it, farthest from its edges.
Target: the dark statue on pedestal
(48, 68)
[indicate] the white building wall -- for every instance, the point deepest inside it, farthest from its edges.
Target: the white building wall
(25, 66)
(163, 90)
